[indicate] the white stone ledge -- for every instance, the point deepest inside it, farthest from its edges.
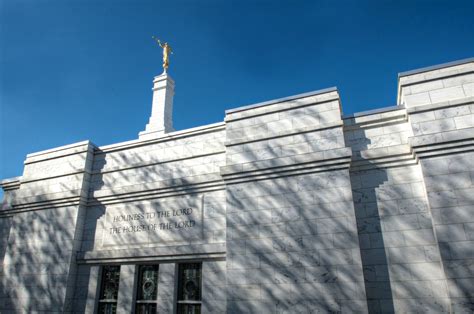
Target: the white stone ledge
(372, 112)
(449, 70)
(440, 105)
(453, 142)
(384, 162)
(10, 183)
(280, 100)
(65, 174)
(42, 205)
(281, 107)
(376, 121)
(143, 164)
(62, 151)
(444, 151)
(334, 166)
(258, 137)
(289, 162)
(46, 197)
(161, 189)
(383, 152)
(442, 138)
(154, 253)
(335, 160)
(436, 67)
(172, 136)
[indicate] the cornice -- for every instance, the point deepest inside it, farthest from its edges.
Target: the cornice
(291, 103)
(296, 131)
(11, 184)
(160, 189)
(281, 100)
(209, 251)
(444, 147)
(441, 105)
(149, 164)
(172, 136)
(16, 208)
(288, 166)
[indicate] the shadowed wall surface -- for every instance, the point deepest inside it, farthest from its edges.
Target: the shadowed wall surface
(287, 206)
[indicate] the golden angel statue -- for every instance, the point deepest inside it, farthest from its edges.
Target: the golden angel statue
(166, 52)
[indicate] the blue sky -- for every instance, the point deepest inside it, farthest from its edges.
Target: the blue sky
(76, 70)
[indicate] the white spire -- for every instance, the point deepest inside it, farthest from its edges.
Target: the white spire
(161, 119)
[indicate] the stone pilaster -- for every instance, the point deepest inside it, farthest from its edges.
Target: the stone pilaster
(161, 120)
(48, 202)
(214, 297)
(292, 241)
(166, 288)
(440, 106)
(127, 288)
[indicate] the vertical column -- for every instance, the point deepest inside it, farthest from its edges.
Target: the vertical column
(214, 287)
(166, 288)
(127, 288)
(291, 230)
(46, 229)
(87, 288)
(441, 110)
(400, 257)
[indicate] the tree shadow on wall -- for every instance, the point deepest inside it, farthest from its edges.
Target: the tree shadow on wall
(139, 183)
(38, 251)
(292, 243)
(400, 254)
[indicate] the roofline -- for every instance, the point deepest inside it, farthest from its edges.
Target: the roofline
(372, 111)
(436, 67)
(275, 101)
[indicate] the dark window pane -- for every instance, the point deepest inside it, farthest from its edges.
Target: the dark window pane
(147, 282)
(110, 283)
(107, 308)
(189, 287)
(146, 308)
(189, 309)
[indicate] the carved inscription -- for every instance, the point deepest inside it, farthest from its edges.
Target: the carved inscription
(163, 222)
(150, 221)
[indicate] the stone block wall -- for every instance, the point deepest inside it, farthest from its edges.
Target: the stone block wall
(214, 296)
(291, 232)
(443, 138)
(183, 158)
(295, 209)
(400, 255)
(433, 86)
(170, 173)
(87, 288)
(45, 216)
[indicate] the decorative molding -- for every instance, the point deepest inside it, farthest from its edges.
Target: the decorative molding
(59, 152)
(436, 67)
(43, 204)
(376, 120)
(264, 137)
(143, 164)
(157, 254)
(281, 100)
(440, 105)
(384, 162)
(172, 136)
(138, 192)
(444, 148)
(10, 184)
(373, 111)
(334, 159)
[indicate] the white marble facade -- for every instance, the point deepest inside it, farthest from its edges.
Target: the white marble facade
(290, 206)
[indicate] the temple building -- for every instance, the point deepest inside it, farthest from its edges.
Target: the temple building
(286, 206)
